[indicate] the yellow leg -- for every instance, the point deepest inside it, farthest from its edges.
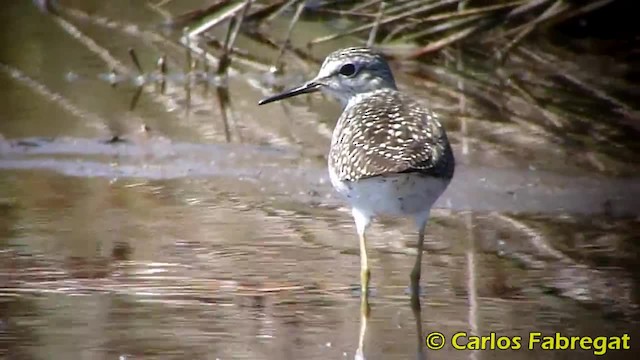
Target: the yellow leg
(417, 266)
(415, 292)
(365, 274)
(362, 223)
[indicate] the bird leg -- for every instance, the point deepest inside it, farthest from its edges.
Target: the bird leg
(364, 267)
(417, 267)
(362, 221)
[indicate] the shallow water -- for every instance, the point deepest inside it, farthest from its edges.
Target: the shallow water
(199, 238)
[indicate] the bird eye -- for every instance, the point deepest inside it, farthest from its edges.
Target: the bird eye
(347, 70)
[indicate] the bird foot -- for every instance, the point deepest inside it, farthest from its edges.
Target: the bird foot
(409, 290)
(356, 290)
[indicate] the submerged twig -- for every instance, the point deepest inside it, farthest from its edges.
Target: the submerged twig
(300, 55)
(205, 71)
(526, 8)
(376, 25)
(136, 62)
(216, 18)
(358, 29)
(463, 107)
(443, 27)
(586, 8)
(280, 10)
(182, 20)
(561, 71)
(223, 65)
(439, 44)
(232, 33)
(140, 80)
(225, 110)
(161, 68)
(364, 5)
(488, 10)
(135, 98)
(553, 10)
(520, 90)
(42, 90)
(241, 17)
(277, 64)
(47, 6)
(187, 73)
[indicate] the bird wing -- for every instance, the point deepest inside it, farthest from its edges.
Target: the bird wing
(387, 132)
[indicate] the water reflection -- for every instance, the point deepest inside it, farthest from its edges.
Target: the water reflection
(416, 310)
(365, 313)
(174, 250)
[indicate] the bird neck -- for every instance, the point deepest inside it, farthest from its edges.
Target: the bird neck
(372, 87)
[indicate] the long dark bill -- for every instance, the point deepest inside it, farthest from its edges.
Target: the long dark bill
(306, 88)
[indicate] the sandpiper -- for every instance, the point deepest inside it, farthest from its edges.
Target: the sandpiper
(389, 155)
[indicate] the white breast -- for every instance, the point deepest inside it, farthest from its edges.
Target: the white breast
(404, 194)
